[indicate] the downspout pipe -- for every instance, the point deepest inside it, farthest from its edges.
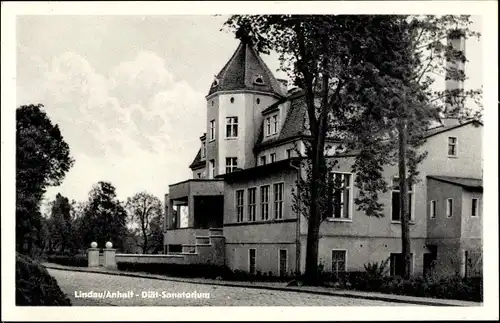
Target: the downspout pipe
(297, 232)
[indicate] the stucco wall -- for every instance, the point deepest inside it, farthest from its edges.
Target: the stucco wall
(287, 176)
(468, 162)
(249, 115)
(362, 250)
(266, 257)
(442, 226)
(472, 227)
(362, 225)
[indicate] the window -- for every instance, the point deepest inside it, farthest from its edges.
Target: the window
(271, 125)
(251, 203)
(475, 204)
(395, 200)
(211, 168)
(338, 262)
(274, 120)
(289, 153)
(257, 100)
(452, 146)
(232, 127)
(203, 149)
(264, 202)
(262, 160)
(199, 175)
(239, 205)
(283, 263)
(272, 157)
(396, 264)
(258, 80)
(433, 210)
(231, 164)
(231, 100)
(251, 261)
(342, 196)
(278, 200)
(449, 208)
(212, 130)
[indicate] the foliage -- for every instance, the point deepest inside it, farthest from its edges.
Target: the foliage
(66, 260)
(104, 217)
(60, 226)
(42, 160)
(145, 218)
(367, 80)
(377, 270)
(34, 285)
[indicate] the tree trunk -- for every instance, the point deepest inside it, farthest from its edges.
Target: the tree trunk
(403, 201)
(311, 273)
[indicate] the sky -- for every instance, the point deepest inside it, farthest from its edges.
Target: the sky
(128, 92)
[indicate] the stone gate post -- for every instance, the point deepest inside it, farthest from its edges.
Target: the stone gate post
(93, 255)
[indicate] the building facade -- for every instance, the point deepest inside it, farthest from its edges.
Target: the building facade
(245, 173)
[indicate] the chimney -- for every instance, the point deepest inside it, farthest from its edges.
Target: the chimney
(455, 67)
(283, 85)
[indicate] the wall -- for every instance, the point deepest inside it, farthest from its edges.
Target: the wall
(267, 237)
(183, 236)
(212, 145)
(266, 257)
(361, 251)
(468, 163)
(472, 227)
(443, 227)
(280, 151)
(362, 225)
(249, 115)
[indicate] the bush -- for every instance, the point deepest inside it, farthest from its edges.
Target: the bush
(34, 285)
(200, 271)
(69, 260)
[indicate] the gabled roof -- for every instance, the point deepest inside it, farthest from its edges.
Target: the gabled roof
(444, 128)
(197, 162)
(470, 183)
(240, 72)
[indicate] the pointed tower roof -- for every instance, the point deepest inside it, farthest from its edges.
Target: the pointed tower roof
(246, 71)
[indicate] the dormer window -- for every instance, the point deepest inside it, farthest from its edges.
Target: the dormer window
(215, 82)
(271, 125)
(258, 79)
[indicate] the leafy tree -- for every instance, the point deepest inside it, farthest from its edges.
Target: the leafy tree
(104, 217)
(42, 160)
(145, 214)
(328, 57)
(61, 223)
(366, 81)
(393, 130)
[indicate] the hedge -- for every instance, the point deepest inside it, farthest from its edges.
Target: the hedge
(34, 285)
(73, 261)
(198, 271)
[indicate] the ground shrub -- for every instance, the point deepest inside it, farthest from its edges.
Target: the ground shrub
(69, 260)
(34, 285)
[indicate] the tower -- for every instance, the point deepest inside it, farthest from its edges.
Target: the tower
(239, 93)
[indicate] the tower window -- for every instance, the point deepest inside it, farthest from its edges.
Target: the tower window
(231, 127)
(258, 101)
(258, 79)
(232, 100)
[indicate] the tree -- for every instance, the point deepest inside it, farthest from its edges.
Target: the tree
(42, 160)
(145, 213)
(366, 81)
(328, 57)
(104, 217)
(394, 132)
(60, 224)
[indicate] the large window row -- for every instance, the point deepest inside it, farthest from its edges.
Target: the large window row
(262, 205)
